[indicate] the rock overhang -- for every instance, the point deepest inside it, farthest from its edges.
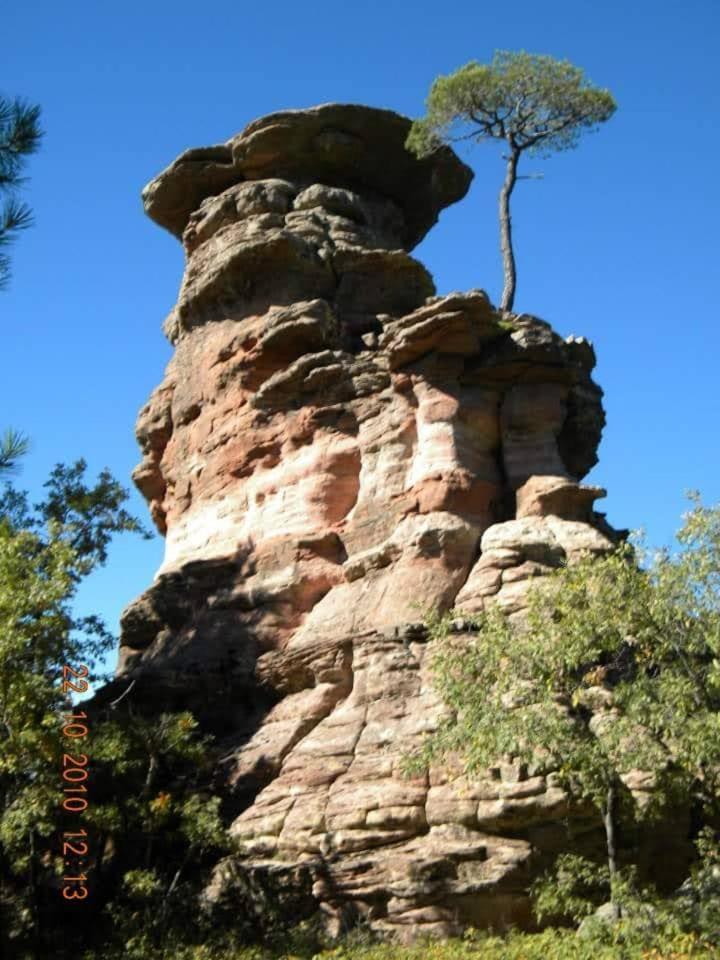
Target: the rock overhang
(341, 145)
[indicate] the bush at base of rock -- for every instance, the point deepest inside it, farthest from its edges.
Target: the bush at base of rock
(549, 945)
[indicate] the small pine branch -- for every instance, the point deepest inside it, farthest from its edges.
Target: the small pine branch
(20, 136)
(13, 445)
(15, 215)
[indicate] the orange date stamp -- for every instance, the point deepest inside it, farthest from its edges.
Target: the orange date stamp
(74, 776)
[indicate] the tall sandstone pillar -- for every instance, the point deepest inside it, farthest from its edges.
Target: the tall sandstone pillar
(335, 450)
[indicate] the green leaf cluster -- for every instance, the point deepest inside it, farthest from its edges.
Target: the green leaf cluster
(45, 552)
(155, 825)
(551, 944)
(615, 670)
(532, 102)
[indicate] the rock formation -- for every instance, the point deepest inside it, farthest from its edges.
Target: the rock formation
(333, 451)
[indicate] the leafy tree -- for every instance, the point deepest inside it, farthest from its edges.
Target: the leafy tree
(45, 552)
(617, 669)
(153, 825)
(20, 136)
(533, 104)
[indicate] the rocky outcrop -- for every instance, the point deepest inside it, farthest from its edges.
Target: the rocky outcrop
(333, 451)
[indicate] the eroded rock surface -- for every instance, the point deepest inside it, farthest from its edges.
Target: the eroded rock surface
(334, 450)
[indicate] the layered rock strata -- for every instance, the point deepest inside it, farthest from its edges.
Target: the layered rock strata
(333, 451)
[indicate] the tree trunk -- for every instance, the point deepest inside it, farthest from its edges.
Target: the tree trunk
(100, 858)
(508, 294)
(34, 900)
(171, 888)
(150, 777)
(608, 816)
(146, 791)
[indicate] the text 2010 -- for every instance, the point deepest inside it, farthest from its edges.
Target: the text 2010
(74, 775)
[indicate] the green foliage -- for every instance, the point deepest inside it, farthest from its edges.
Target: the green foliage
(45, 551)
(615, 670)
(697, 907)
(532, 104)
(548, 945)
(13, 445)
(20, 136)
(572, 890)
(153, 824)
(649, 921)
(154, 827)
(40, 570)
(535, 103)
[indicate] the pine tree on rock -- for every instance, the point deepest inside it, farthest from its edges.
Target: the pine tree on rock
(534, 104)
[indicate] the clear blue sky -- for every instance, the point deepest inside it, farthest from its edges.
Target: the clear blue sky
(618, 242)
